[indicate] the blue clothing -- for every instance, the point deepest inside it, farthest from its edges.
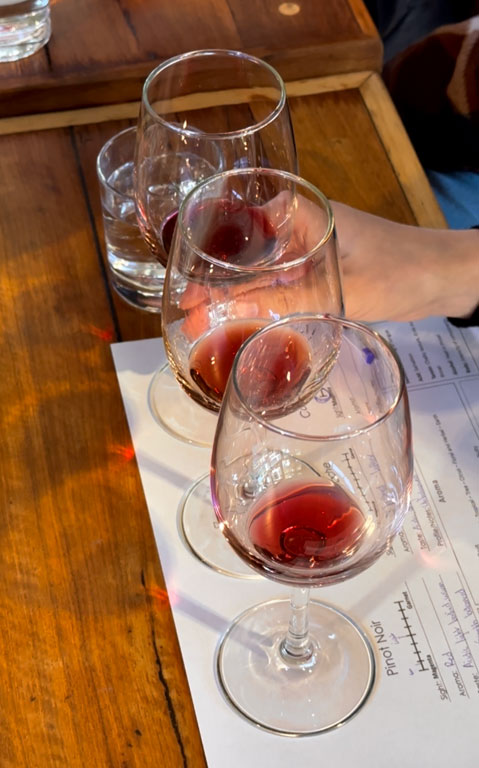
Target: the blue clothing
(457, 193)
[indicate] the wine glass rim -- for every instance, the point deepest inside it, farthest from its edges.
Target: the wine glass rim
(328, 233)
(226, 52)
(305, 316)
(106, 146)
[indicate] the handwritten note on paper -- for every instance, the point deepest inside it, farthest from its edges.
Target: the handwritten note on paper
(442, 529)
(419, 603)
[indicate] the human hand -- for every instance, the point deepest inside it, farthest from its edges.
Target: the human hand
(390, 271)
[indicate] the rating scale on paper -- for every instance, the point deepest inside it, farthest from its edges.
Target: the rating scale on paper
(403, 607)
(401, 648)
(407, 645)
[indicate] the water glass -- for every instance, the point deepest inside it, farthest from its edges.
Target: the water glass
(135, 273)
(24, 27)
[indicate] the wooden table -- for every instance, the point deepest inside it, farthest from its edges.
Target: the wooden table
(101, 50)
(90, 670)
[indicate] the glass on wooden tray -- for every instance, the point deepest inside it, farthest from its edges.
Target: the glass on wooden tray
(134, 272)
(25, 27)
(202, 112)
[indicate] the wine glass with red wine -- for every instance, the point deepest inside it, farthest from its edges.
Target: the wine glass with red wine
(251, 245)
(308, 491)
(201, 113)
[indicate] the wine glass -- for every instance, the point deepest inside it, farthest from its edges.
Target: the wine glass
(309, 491)
(202, 112)
(251, 245)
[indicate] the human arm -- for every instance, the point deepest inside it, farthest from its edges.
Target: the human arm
(395, 271)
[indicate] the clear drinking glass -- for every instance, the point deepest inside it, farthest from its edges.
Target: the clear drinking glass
(250, 246)
(24, 28)
(308, 491)
(202, 112)
(135, 274)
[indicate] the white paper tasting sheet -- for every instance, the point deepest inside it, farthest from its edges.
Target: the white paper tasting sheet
(419, 604)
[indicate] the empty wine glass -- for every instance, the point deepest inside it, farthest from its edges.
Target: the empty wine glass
(250, 246)
(308, 491)
(201, 113)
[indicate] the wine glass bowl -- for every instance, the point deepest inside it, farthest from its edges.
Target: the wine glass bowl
(242, 256)
(308, 495)
(203, 112)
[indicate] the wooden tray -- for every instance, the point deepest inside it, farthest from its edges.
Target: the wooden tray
(101, 50)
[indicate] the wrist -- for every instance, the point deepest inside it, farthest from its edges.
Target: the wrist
(458, 294)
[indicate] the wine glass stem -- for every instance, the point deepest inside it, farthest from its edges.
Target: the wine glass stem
(297, 645)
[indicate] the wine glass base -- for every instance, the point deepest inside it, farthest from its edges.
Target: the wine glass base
(290, 698)
(202, 534)
(177, 413)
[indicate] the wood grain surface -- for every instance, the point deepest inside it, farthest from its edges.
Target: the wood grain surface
(100, 51)
(90, 670)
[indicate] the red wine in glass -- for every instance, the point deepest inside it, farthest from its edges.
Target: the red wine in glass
(272, 372)
(305, 524)
(168, 230)
(233, 232)
(212, 357)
